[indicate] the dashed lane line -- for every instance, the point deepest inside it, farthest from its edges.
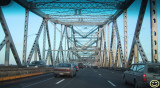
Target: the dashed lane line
(60, 81)
(112, 83)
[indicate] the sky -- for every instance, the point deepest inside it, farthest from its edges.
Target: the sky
(15, 16)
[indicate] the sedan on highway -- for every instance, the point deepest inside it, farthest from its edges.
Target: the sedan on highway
(142, 75)
(67, 69)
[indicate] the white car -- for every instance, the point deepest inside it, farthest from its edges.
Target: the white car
(65, 69)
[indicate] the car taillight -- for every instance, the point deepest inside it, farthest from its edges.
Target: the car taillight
(144, 78)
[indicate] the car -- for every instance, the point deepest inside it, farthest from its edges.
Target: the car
(37, 64)
(76, 66)
(95, 67)
(67, 69)
(141, 74)
(80, 65)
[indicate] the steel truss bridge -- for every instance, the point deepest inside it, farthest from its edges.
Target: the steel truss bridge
(83, 27)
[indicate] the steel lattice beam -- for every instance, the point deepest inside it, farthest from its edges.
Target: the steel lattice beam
(154, 32)
(7, 34)
(35, 42)
(137, 31)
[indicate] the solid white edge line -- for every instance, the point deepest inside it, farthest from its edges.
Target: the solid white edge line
(60, 81)
(36, 83)
(112, 83)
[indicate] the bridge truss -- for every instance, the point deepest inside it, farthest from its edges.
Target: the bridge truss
(83, 27)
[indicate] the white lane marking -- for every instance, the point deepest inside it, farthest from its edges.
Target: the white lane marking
(112, 83)
(60, 81)
(37, 83)
(100, 74)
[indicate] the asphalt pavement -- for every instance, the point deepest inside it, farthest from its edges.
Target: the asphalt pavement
(85, 78)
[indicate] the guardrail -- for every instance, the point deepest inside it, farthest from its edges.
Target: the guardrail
(10, 73)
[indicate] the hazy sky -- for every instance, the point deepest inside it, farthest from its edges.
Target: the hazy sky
(15, 16)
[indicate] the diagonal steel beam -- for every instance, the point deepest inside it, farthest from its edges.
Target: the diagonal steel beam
(35, 42)
(7, 34)
(39, 52)
(137, 30)
(119, 43)
(5, 40)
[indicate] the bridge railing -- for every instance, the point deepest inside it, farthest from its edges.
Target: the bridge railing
(11, 73)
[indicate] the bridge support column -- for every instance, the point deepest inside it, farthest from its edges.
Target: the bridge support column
(154, 33)
(125, 38)
(35, 52)
(7, 53)
(54, 43)
(25, 36)
(136, 56)
(108, 45)
(44, 41)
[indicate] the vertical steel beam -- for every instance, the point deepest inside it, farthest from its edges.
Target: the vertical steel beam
(114, 44)
(7, 34)
(105, 52)
(44, 40)
(49, 44)
(108, 44)
(35, 53)
(137, 31)
(111, 44)
(125, 38)
(7, 53)
(154, 33)
(136, 56)
(118, 57)
(54, 45)
(25, 36)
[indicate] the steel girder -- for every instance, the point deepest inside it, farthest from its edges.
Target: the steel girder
(44, 40)
(111, 46)
(5, 40)
(9, 41)
(35, 42)
(49, 53)
(76, 5)
(54, 42)
(154, 33)
(46, 9)
(25, 36)
(136, 34)
(119, 44)
(60, 45)
(125, 38)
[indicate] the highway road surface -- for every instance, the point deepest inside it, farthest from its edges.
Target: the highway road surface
(85, 78)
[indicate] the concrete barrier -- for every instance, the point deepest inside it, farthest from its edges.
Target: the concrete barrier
(11, 73)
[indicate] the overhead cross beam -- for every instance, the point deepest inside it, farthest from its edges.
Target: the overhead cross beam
(76, 5)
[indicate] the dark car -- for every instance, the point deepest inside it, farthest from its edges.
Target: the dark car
(141, 74)
(80, 65)
(37, 64)
(76, 66)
